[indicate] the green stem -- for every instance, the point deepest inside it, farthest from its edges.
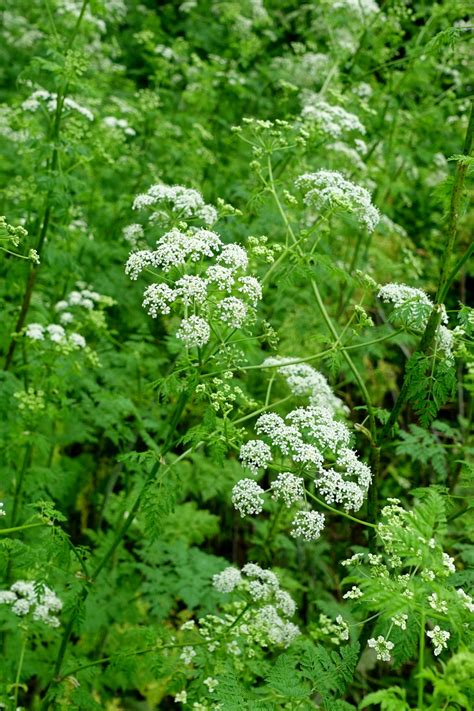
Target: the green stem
(19, 485)
(421, 663)
(19, 670)
(14, 529)
(340, 513)
(455, 209)
(457, 267)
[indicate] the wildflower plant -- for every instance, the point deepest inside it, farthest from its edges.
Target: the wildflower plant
(237, 357)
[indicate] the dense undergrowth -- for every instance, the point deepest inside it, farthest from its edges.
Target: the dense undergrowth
(238, 365)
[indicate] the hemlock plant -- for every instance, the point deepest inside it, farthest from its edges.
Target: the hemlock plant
(237, 385)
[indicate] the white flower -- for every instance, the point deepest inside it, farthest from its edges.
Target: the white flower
(133, 233)
(448, 563)
(181, 697)
(353, 594)
(2, 510)
(157, 299)
(329, 189)
(382, 648)
(307, 525)
(188, 625)
(247, 497)
(255, 454)
(50, 101)
(285, 603)
(400, 294)
(331, 120)
(278, 630)
(233, 256)
(280, 434)
(194, 331)
(304, 380)
(66, 317)
(211, 684)
(227, 580)
(185, 202)
(138, 262)
(223, 277)
(400, 621)
(56, 333)
(289, 488)
(232, 311)
(356, 558)
(191, 289)
(61, 305)
(465, 599)
(25, 597)
(437, 604)
(439, 639)
(362, 9)
(35, 331)
(77, 340)
(122, 124)
(251, 287)
(33, 256)
(187, 654)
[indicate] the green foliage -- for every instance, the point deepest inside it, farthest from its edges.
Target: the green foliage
(431, 383)
(121, 439)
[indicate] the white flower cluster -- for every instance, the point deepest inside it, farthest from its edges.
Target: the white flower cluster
(270, 620)
(56, 334)
(333, 121)
(308, 525)
(302, 70)
(401, 294)
(351, 156)
(25, 596)
(464, 597)
(247, 497)
(2, 510)
(439, 639)
(308, 437)
(382, 647)
(362, 9)
(338, 631)
(289, 488)
(353, 594)
(41, 97)
(185, 203)
(81, 298)
(327, 189)
(132, 234)
(303, 380)
(220, 292)
(412, 308)
(120, 123)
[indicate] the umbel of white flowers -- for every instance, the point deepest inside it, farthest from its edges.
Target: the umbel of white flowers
(26, 596)
(185, 203)
(330, 120)
(271, 606)
(329, 190)
(305, 381)
(201, 279)
(412, 309)
(316, 446)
